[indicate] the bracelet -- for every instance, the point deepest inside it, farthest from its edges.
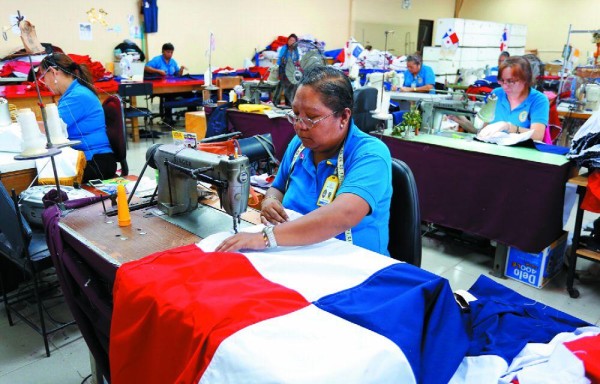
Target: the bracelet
(270, 197)
(269, 237)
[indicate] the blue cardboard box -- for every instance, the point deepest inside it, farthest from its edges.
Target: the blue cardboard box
(536, 269)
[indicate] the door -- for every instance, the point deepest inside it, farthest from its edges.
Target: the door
(425, 36)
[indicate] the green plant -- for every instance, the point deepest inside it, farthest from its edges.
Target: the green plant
(411, 120)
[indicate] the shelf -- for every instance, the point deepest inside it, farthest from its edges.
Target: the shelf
(588, 254)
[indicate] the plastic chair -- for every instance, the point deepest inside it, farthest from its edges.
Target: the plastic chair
(405, 216)
(129, 90)
(227, 82)
(365, 101)
(87, 282)
(115, 130)
(27, 249)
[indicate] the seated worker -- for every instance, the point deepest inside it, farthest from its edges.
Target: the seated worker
(417, 77)
(519, 107)
(165, 65)
(493, 76)
(80, 108)
(337, 176)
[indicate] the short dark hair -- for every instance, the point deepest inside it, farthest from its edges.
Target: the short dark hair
(332, 85)
(504, 54)
(168, 47)
(293, 35)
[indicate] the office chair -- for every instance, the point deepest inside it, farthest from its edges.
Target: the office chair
(227, 82)
(27, 249)
(87, 284)
(405, 216)
(115, 130)
(365, 101)
(129, 90)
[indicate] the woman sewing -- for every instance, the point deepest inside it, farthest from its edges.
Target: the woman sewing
(80, 108)
(519, 108)
(337, 176)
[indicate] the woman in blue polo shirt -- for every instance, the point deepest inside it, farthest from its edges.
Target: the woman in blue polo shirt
(337, 176)
(80, 108)
(519, 108)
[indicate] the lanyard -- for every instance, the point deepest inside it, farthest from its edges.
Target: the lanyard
(339, 172)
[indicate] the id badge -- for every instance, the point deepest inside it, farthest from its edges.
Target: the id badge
(328, 192)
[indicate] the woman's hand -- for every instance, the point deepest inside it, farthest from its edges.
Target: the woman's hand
(242, 240)
(492, 129)
(272, 211)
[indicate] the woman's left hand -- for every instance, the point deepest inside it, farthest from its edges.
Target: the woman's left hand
(242, 240)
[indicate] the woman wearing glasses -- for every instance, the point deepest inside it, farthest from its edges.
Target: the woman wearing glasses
(80, 108)
(519, 108)
(337, 176)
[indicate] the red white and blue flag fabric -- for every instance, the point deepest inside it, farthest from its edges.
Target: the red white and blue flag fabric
(330, 313)
(450, 39)
(504, 40)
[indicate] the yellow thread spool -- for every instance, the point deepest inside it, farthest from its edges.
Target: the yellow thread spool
(122, 207)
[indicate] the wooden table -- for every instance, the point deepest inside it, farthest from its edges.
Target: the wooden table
(146, 235)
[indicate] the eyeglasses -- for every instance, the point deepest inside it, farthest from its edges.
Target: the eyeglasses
(508, 81)
(305, 121)
(41, 78)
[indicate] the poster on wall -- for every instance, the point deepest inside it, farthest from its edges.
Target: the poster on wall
(85, 31)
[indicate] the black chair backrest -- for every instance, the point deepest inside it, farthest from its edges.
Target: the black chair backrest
(87, 283)
(113, 114)
(12, 241)
(365, 101)
(405, 216)
(135, 89)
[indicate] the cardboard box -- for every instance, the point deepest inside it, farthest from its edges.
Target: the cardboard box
(536, 269)
(195, 122)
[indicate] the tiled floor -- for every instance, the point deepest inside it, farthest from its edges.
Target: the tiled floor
(23, 361)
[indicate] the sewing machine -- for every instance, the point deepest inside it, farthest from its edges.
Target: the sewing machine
(179, 170)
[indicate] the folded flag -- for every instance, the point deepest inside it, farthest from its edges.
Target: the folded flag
(504, 40)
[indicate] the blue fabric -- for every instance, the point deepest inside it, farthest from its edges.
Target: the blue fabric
(81, 110)
(557, 149)
(368, 174)
(158, 62)
(503, 321)
(333, 53)
(409, 306)
(424, 77)
(534, 109)
(150, 16)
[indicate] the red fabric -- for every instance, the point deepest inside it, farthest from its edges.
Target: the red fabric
(278, 42)
(587, 349)
(341, 57)
(591, 201)
(478, 90)
(183, 295)
(96, 69)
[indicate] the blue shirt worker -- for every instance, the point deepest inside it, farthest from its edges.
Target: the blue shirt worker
(165, 64)
(337, 176)
(417, 77)
(519, 108)
(80, 108)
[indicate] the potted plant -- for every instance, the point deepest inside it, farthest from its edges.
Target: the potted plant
(411, 121)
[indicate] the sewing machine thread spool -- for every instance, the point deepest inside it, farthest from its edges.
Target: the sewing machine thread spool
(34, 143)
(5, 119)
(122, 208)
(55, 127)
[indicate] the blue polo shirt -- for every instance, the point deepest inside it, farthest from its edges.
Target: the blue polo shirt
(367, 173)
(171, 68)
(424, 77)
(534, 109)
(81, 110)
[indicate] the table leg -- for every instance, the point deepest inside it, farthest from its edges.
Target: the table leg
(573, 292)
(499, 260)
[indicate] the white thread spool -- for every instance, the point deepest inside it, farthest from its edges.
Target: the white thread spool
(5, 119)
(34, 143)
(55, 125)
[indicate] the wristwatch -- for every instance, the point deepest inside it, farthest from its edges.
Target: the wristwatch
(414, 89)
(269, 237)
